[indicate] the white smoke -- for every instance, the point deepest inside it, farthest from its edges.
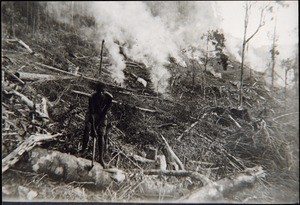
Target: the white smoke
(149, 32)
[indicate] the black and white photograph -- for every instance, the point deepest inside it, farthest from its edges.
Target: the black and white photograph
(150, 102)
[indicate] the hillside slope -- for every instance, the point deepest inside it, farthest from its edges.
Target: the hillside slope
(199, 121)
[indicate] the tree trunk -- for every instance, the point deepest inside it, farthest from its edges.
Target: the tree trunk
(243, 56)
(273, 56)
(37, 76)
(69, 168)
(225, 187)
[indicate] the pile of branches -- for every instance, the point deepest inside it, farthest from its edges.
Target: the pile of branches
(195, 134)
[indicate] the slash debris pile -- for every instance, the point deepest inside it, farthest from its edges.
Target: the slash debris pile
(171, 146)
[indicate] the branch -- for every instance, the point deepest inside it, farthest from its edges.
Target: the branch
(171, 153)
(285, 115)
(188, 130)
(235, 122)
(261, 24)
(179, 173)
(22, 43)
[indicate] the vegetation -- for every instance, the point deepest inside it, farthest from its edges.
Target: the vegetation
(222, 141)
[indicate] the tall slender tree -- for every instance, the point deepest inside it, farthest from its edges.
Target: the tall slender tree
(274, 51)
(263, 11)
(287, 65)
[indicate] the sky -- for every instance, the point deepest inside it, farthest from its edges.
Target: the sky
(258, 56)
(233, 14)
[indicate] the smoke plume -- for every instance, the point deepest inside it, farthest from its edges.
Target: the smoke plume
(149, 32)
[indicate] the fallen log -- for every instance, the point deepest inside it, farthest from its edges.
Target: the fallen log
(114, 101)
(22, 43)
(26, 146)
(36, 76)
(162, 162)
(69, 168)
(14, 76)
(82, 76)
(143, 159)
(170, 154)
(223, 188)
(43, 109)
(107, 84)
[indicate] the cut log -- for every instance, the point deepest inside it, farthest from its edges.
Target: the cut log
(139, 79)
(26, 146)
(223, 188)
(35, 76)
(69, 168)
(142, 81)
(25, 46)
(162, 162)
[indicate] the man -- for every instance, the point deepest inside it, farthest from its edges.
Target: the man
(96, 120)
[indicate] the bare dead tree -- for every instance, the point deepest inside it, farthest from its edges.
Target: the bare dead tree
(263, 11)
(274, 52)
(287, 65)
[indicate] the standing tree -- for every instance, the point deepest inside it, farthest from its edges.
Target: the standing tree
(208, 37)
(219, 43)
(274, 52)
(296, 71)
(287, 65)
(263, 11)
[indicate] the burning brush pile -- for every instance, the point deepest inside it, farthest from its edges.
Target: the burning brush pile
(174, 131)
(191, 140)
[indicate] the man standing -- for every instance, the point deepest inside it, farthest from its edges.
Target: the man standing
(96, 120)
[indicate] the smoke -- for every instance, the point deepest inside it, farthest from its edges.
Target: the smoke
(149, 32)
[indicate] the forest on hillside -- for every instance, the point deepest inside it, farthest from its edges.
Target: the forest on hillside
(189, 121)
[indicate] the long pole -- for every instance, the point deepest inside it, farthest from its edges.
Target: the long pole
(101, 56)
